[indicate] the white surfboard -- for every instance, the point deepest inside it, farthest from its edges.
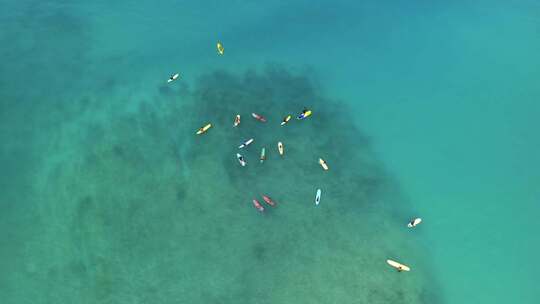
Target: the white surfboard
(236, 120)
(414, 222)
(286, 120)
(241, 159)
(173, 77)
(263, 155)
(280, 148)
(246, 143)
(323, 164)
(318, 197)
(398, 266)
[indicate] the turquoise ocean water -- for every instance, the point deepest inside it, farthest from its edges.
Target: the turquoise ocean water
(421, 108)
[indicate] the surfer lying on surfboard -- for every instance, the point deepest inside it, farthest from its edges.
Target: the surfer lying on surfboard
(286, 120)
(204, 129)
(258, 117)
(241, 159)
(246, 143)
(220, 48)
(268, 200)
(414, 222)
(398, 266)
(305, 113)
(257, 205)
(173, 77)
(263, 155)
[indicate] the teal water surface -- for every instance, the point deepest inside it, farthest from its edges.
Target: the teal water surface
(420, 109)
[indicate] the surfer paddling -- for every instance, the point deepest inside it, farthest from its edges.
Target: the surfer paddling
(285, 120)
(173, 77)
(305, 113)
(220, 48)
(414, 222)
(246, 143)
(269, 201)
(398, 266)
(258, 117)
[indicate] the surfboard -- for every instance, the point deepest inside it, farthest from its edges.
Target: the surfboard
(305, 114)
(263, 154)
(258, 205)
(241, 159)
(318, 197)
(286, 120)
(236, 120)
(204, 129)
(414, 222)
(246, 143)
(323, 164)
(258, 117)
(173, 77)
(280, 148)
(220, 48)
(398, 266)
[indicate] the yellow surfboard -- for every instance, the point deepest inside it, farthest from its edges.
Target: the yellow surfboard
(305, 114)
(204, 129)
(220, 48)
(398, 266)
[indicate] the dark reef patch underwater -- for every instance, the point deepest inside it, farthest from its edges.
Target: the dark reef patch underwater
(135, 208)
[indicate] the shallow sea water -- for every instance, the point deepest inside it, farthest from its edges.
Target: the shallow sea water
(109, 196)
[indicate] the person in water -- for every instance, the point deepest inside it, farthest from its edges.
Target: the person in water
(303, 114)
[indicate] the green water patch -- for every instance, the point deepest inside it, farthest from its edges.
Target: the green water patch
(136, 208)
